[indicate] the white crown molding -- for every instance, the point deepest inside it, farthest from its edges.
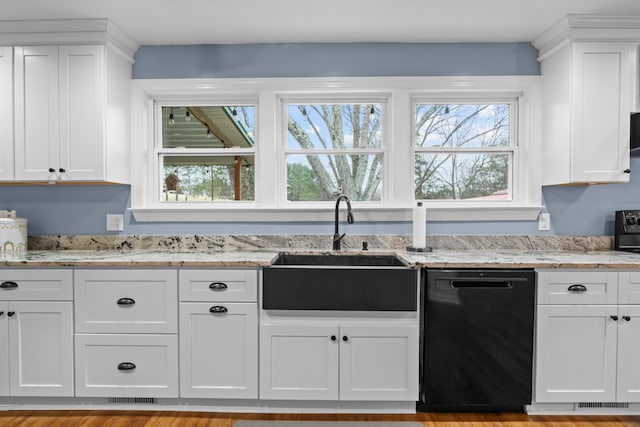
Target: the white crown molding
(588, 28)
(67, 31)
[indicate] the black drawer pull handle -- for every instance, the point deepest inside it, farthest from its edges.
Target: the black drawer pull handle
(11, 313)
(614, 318)
(218, 286)
(8, 285)
(218, 309)
(627, 318)
(577, 288)
(126, 301)
(126, 366)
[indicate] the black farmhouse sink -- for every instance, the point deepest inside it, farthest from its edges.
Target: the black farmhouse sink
(339, 282)
(335, 260)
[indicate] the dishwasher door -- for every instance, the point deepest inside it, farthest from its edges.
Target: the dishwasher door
(477, 340)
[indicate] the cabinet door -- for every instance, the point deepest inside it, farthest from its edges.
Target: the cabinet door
(36, 112)
(603, 91)
(41, 348)
(576, 353)
(379, 362)
(82, 118)
(628, 353)
(219, 350)
(6, 114)
(299, 362)
(4, 350)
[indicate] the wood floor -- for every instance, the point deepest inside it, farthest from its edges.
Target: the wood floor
(197, 419)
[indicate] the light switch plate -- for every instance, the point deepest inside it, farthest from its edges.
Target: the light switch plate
(115, 222)
(544, 221)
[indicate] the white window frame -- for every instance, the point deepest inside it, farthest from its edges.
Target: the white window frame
(514, 178)
(400, 92)
(330, 98)
(159, 151)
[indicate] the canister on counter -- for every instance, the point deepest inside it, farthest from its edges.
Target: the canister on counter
(13, 236)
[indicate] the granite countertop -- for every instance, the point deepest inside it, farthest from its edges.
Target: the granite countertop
(495, 258)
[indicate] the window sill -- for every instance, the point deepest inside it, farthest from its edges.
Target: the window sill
(325, 214)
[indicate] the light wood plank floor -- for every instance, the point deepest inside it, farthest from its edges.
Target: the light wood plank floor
(196, 419)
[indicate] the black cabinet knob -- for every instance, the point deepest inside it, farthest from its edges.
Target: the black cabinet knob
(345, 338)
(333, 338)
(51, 170)
(11, 313)
(1, 313)
(627, 318)
(614, 318)
(61, 170)
(627, 171)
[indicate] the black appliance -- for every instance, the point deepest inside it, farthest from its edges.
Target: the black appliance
(627, 231)
(635, 134)
(477, 340)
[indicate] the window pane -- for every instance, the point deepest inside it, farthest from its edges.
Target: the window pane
(462, 125)
(331, 126)
(324, 177)
(208, 127)
(469, 176)
(207, 178)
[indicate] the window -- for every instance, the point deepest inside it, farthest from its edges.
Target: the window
(206, 153)
(332, 149)
(277, 149)
(464, 151)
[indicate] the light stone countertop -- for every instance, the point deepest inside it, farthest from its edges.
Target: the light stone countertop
(494, 258)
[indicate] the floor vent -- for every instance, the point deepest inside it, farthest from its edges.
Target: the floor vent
(597, 405)
(133, 401)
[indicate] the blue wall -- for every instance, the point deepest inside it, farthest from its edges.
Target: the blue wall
(328, 60)
(81, 209)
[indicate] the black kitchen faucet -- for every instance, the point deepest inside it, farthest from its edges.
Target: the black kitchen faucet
(336, 235)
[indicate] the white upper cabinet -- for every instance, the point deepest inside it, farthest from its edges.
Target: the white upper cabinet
(589, 90)
(6, 113)
(36, 107)
(70, 104)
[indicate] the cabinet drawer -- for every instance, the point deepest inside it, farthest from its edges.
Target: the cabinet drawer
(224, 285)
(126, 365)
(577, 287)
(37, 284)
(127, 301)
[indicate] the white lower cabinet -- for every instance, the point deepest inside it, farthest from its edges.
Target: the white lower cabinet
(588, 352)
(36, 332)
(628, 376)
(126, 333)
(339, 362)
(576, 353)
(219, 350)
(40, 348)
(219, 333)
(126, 365)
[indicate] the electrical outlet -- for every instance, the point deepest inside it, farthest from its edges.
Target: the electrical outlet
(115, 222)
(544, 221)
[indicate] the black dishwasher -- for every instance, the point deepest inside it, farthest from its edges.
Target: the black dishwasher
(477, 340)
